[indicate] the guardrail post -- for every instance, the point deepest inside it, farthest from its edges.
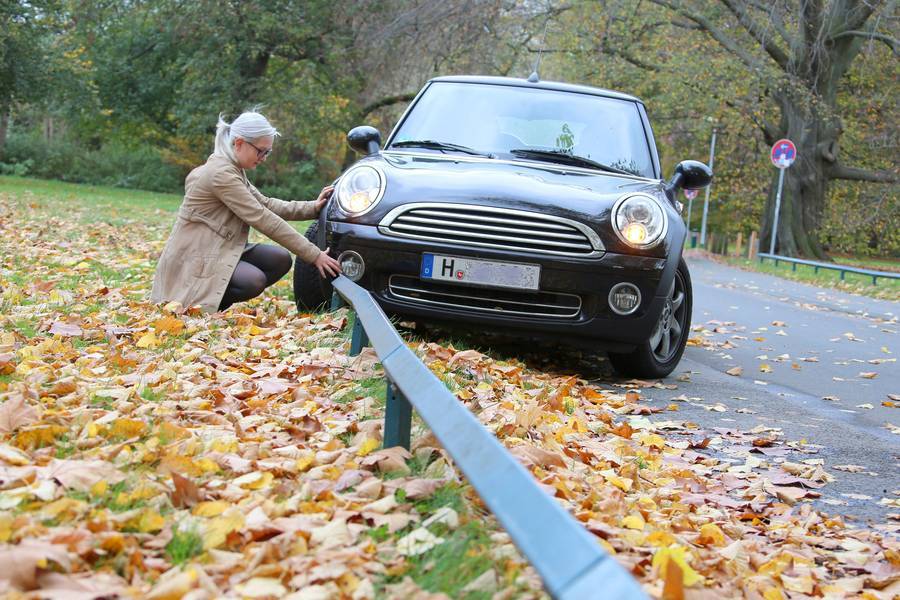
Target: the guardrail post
(336, 301)
(397, 418)
(359, 340)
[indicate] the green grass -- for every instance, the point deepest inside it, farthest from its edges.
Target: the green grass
(888, 289)
(450, 566)
(185, 545)
(114, 205)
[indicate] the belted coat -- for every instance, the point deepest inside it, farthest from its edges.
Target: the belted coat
(220, 206)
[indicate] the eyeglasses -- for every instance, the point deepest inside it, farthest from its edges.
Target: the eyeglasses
(260, 154)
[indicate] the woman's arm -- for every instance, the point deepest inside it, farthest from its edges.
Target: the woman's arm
(230, 189)
(293, 211)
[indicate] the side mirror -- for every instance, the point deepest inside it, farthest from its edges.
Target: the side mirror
(364, 139)
(689, 175)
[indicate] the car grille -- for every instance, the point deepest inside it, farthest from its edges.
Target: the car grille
(541, 304)
(490, 227)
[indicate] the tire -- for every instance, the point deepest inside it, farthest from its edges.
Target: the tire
(658, 356)
(311, 292)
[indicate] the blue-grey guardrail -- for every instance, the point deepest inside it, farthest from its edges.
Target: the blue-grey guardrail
(822, 265)
(570, 561)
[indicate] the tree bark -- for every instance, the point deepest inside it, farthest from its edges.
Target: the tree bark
(4, 128)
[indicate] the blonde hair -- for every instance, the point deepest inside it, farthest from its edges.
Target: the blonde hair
(250, 126)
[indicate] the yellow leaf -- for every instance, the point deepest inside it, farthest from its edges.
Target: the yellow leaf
(711, 535)
(207, 465)
(622, 483)
(675, 554)
(366, 447)
(148, 340)
(635, 521)
(150, 521)
(6, 521)
(127, 428)
(773, 593)
(210, 509)
(254, 481)
(169, 325)
(99, 488)
(305, 462)
(217, 530)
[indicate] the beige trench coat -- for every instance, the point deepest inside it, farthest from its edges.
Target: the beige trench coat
(219, 208)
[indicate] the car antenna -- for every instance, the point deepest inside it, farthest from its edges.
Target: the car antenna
(534, 77)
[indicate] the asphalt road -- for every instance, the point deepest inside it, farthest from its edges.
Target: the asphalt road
(815, 363)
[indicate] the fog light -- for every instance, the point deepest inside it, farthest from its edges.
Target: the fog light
(352, 265)
(624, 298)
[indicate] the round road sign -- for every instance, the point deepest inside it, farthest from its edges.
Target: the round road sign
(784, 153)
(690, 194)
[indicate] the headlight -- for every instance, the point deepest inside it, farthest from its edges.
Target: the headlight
(639, 220)
(360, 189)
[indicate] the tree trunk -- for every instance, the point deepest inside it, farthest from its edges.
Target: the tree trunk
(805, 184)
(4, 127)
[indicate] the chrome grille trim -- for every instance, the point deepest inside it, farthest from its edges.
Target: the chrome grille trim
(405, 287)
(517, 230)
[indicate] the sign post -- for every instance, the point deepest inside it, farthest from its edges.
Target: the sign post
(712, 156)
(690, 195)
(783, 155)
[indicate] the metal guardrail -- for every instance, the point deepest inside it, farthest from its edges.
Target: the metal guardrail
(570, 561)
(844, 269)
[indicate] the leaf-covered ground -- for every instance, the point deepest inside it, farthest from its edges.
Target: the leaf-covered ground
(149, 451)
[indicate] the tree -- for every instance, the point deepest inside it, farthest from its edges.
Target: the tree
(802, 50)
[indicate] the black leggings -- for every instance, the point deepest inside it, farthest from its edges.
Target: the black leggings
(259, 267)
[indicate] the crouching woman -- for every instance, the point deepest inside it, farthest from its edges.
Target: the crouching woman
(207, 260)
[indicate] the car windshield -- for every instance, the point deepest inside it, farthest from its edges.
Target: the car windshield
(528, 124)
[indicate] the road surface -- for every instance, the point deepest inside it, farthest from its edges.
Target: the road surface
(814, 362)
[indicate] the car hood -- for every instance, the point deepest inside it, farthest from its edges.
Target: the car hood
(582, 194)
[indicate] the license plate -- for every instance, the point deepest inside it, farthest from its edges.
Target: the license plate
(480, 272)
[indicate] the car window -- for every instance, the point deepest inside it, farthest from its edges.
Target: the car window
(497, 119)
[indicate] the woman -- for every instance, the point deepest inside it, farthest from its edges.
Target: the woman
(207, 260)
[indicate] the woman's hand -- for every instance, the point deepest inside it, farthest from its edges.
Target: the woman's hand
(327, 266)
(324, 195)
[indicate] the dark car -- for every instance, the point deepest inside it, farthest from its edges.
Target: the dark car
(519, 206)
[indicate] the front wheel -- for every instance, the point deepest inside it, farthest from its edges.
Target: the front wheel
(311, 291)
(658, 356)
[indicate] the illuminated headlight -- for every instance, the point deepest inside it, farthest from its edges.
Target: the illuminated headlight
(360, 189)
(639, 220)
(352, 265)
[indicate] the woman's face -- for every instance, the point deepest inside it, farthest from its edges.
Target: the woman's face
(250, 154)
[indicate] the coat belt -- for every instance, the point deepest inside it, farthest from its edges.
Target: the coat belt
(220, 229)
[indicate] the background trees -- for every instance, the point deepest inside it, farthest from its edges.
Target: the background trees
(126, 92)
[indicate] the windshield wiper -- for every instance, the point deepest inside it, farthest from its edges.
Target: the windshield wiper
(563, 157)
(435, 145)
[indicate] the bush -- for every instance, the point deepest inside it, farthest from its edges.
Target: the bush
(142, 167)
(114, 164)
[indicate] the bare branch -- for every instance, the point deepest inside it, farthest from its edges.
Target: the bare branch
(891, 42)
(758, 32)
(717, 34)
(857, 174)
(388, 101)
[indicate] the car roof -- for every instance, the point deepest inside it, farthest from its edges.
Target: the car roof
(543, 85)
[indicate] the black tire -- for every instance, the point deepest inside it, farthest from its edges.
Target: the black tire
(311, 292)
(658, 356)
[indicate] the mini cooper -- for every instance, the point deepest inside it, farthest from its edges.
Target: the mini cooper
(523, 207)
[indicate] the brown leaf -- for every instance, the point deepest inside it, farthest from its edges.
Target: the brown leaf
(81, 475)
(389, 460)
(15, 413)
(186, 493)
(6, 363)
(65, 329)
(868, 374)
(624, 430)
(532, 455)
(420, 488)
(735, 371)
(23, 562)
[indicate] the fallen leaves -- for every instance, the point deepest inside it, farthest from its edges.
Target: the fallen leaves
(239, 455)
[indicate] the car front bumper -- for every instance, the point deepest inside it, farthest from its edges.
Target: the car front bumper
(570, 306)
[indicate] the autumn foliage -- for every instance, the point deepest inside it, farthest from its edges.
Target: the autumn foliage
(154, 451)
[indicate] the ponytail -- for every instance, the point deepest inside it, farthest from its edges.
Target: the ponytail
(248, 126)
